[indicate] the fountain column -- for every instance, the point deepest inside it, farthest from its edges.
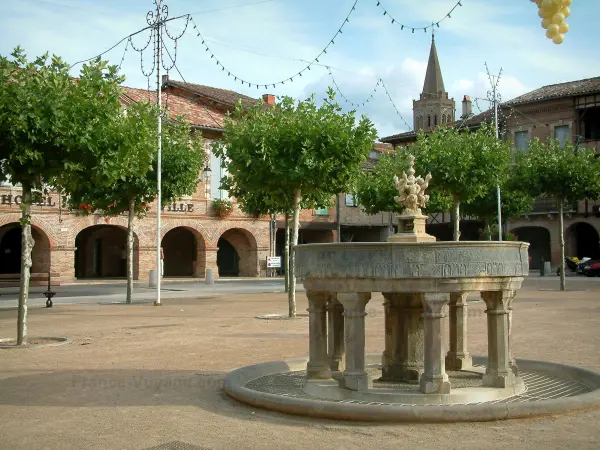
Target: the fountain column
(434, 379)
(403, 355)
(458, 358)
(318, 365)
(498, 372)
(355, 375)
(335, 318)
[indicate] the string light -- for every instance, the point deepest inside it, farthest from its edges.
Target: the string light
(386, 13)
(290, 79)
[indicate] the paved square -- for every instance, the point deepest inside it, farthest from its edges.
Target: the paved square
(144, 377)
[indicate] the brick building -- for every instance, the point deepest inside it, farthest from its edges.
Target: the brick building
(565, 111)
(193, 237)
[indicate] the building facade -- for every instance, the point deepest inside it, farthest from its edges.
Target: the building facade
(567, 112)
(73, 246)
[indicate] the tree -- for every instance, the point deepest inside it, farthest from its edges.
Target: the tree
(182, 161)
(375, 190)
(563, 173)
(49, 127)
(514, 202)
(298, 150)
(261, 203)
(465, 166)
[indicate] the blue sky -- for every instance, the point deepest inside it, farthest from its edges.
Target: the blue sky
(264, 41)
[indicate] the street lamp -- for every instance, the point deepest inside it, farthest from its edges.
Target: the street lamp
(205, 174)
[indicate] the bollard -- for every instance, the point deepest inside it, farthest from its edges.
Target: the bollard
(547, 267)
(152, 279)
(210, 279)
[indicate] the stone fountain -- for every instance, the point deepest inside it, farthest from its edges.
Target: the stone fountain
(423, 282)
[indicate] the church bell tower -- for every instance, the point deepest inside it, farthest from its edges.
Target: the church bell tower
(433, 107)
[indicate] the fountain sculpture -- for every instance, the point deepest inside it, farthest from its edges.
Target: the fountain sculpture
(423, 282)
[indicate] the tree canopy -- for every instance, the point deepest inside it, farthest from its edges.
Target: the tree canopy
(291, 152)
(565, 173)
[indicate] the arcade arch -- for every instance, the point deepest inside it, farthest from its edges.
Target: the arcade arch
(184, 253)
(10, 249)
(539, 243)
(101, 252)
(237, 254)
(582, 240)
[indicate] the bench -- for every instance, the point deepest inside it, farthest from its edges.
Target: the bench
(35, 280)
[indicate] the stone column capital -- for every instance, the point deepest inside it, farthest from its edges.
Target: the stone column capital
(434, 304)
(354, 302)
(498, 302)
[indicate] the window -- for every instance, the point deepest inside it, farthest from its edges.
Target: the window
(350, 200)
(428, 121)
(322, 212)
(435, 119)
(217, 171)
(561, 133)
(443, 119)
(521, 139)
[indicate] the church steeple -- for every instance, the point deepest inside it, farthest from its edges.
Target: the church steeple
(433, 108)
(434, 83)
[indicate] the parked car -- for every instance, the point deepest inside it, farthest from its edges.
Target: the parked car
(592, 270)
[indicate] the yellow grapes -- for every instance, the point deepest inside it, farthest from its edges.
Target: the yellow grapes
(553, 14)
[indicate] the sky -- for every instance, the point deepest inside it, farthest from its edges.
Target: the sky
(265, 41)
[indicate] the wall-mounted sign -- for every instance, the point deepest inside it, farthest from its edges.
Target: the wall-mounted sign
(9, 199)
(273, 262)
(180, 207)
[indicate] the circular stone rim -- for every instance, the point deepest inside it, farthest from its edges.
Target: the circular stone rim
(57, 342)
(235, 380)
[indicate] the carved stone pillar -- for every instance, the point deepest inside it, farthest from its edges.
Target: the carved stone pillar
(318, 365)
(211, 261)
(458, 357)
(335, 336)
(434, 378)
(355, 375)
(498, 372)
(403, 355)
(512, 361)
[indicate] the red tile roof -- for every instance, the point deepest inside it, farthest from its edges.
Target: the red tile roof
(571, 88)
(223, 96)
(195, 112)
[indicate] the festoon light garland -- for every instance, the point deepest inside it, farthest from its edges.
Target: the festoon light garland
(553, 14)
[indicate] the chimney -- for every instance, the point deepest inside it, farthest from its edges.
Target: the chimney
(269, 99)
(466, 106)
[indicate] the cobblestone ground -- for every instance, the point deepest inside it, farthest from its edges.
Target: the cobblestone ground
(140, 377)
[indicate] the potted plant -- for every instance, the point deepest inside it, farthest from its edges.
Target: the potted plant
(222, 207)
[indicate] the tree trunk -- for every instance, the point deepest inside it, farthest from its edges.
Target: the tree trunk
(562, 244)
(337, 218)
(287, 252)
(130, 217)
(456, 219)
(27, 243)
(292, 291)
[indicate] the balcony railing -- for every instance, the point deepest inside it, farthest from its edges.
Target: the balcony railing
(548, 205)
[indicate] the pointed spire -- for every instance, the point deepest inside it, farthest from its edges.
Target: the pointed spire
(434, 83)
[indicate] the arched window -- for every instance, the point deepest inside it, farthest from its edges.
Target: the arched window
(435, 120)
(428, 121)
(443, 119)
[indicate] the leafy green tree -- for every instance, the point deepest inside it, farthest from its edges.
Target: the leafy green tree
(51, 126)
(295, 149)
(375, 190)
(261, 203)
(563, 173)
(182, 161)
(465, 166)
(514, 202)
